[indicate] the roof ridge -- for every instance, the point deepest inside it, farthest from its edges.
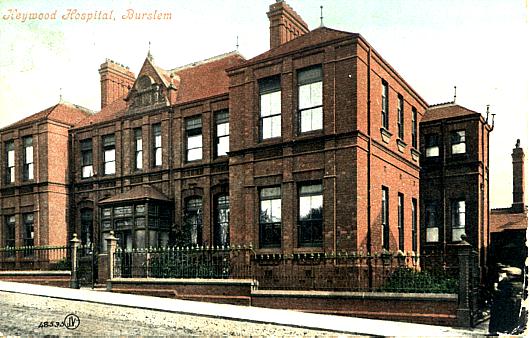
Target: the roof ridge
(202, 62)
(443, 104)
(76, 106)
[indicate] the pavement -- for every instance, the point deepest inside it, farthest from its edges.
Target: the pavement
(338, 324)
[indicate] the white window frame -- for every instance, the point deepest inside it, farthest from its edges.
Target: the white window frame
(310, 99)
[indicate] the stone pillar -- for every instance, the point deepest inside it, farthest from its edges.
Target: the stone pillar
(111, 250)
(463, 312)
(74, 280)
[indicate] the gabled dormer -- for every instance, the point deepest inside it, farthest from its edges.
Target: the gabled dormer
(154, 88)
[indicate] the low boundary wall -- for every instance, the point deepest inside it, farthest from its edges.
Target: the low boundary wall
(438, 309)
(52, 278)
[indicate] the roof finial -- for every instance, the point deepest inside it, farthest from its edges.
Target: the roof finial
(237, 42)
(454, 97)
(487, 113)
(60, 95)
(149, 56)
(492, 121)
(321, 16)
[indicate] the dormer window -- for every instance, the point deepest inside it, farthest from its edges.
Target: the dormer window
(147, 92)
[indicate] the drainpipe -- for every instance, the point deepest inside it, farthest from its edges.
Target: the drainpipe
(335, 159)
(369, 162)
(368, 173)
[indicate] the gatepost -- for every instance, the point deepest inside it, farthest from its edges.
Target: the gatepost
(111, 247)
(74, 280)
(463, 312)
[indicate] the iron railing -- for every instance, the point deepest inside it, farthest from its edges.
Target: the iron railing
(35, 258)
(342, 271)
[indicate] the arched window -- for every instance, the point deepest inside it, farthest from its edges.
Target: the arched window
(193, 220)
(222, 217)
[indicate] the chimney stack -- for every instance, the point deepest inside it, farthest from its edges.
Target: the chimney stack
(285, 24)
(518, 178)
(116, 81)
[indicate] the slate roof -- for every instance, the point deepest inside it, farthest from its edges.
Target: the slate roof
(317, 36)
(505, 219)
(62, 112)
(445, 111)
(142, 192)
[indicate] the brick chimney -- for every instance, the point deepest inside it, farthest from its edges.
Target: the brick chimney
(518, 178)
(116, 81)
(285, 23)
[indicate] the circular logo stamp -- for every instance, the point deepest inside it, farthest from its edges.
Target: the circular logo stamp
(71, 321)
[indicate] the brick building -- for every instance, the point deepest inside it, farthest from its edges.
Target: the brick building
(509, 226)
(455, 179)
(312, 146)
(34, 189)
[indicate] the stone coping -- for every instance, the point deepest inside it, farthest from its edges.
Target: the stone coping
(35, 273)
(188, 281)
(360, 295)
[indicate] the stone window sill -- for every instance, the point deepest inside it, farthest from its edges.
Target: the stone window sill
(385, 135)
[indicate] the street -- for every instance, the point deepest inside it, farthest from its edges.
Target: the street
(22, 315)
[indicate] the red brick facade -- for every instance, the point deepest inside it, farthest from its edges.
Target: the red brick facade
(36, 199)
(162, 128)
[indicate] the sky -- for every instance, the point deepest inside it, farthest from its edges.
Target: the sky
(480, 46)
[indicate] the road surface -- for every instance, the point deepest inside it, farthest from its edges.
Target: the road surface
(23, 315)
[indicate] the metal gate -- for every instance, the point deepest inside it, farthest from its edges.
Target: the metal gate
(87, 265)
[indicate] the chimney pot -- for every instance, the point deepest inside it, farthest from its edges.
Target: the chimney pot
(518, 178)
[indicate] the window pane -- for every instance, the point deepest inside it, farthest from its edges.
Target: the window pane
(110, 167)
(140, 222)
(276, 209)
(316, 94)
(276, 126)
(11, 158)
(266, 128)
(276, 101)
(153, 238)
(30, 171)
(305, 123)
(194, 154)
(459, 148)
(140, 239)
(87, 171)
(139, 144)
(270, 192)
(305, 207)
(158, 141)
(29, 154)
(139, 163)
(223, 146)
(158, 156)
(432, 152)
(222, 129)
(194, 141)
(316, 118)
(457, 234)
(432, 234)
(265, 105)
(304, 96)
(110, 155)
